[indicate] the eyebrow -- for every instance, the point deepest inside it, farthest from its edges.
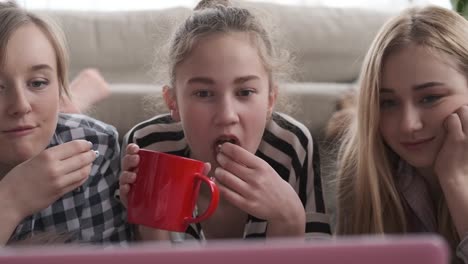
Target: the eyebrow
(206, 80)
(426, 85)
(244, 79)
(41, 67)
(416, 87)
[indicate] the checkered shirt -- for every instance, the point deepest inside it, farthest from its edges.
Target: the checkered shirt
(89, 213)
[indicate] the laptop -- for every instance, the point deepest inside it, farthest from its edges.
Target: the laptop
(362, 250)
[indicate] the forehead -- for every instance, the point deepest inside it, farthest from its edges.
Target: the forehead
(416, 64)
(27, 46)
(223, 55)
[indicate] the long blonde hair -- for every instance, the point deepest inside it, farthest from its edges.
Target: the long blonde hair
(368, 201)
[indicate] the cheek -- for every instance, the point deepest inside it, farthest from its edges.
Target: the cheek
(436, 117)
(388, 127)
(48, 109)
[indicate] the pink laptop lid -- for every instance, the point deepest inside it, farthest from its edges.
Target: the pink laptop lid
(362, 250)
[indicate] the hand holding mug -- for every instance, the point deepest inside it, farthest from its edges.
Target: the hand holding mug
(129, 168)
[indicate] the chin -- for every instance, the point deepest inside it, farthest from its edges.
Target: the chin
(420, 163)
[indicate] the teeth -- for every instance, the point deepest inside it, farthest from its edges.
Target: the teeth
(222, 141)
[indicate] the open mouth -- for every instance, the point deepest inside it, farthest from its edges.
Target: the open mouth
(226, 139)
(222, 141)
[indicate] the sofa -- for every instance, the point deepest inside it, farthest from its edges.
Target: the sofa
(329, 45)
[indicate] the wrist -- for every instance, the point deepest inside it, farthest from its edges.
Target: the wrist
(453, 181)
(288, 225)
(10, 215)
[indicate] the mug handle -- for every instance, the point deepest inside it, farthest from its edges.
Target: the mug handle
(213, 203)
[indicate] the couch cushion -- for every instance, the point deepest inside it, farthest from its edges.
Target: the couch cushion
(329, 43)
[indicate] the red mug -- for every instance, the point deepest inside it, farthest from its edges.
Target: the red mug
(165, 192)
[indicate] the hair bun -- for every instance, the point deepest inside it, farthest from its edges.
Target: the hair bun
(203, 4)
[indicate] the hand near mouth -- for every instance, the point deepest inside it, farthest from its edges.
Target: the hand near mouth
(251, 184)
(38, 182)
(452, 158)
(451, 168)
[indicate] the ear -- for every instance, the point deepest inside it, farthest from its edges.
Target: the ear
(171, 102)
(272, 99)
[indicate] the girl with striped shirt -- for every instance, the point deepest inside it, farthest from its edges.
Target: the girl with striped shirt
(221, 98)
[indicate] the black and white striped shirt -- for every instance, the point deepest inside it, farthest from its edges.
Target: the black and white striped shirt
(286, 145)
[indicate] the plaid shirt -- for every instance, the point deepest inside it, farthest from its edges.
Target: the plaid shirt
(89, 213)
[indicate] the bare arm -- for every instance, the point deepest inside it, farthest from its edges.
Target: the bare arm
(9, 215)
(147, 233)
(451, 168)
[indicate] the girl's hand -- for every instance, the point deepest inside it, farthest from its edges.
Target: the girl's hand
(252, 185)
(38, 182)
(451, 168)
(129, 170)
(451, 163)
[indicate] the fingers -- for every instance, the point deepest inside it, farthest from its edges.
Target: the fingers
(127, 177)
(130, 162)
(124, 190)
(238, 154)
(69, 149)
(125, 180)
(74, 179)
(462, 113)
(131, 149)
(453, 126)
(231, 181)
(131, 159)
(207, 168)
(232, 166)
(77, 161)
(232, 197)
(456, 123)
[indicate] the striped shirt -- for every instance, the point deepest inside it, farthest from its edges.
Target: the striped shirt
(286, 146)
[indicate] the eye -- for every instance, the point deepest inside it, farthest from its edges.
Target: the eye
(387, 103)
(203, 94)
(38, 83)
(430, 99)
(245, 92)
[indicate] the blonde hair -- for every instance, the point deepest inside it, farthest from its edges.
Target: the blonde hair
(368, 201)
(219, 16)
(12, 17)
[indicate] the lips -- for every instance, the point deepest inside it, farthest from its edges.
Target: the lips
(416, 143)
(227, 138)
(18, 129)
(224, 139)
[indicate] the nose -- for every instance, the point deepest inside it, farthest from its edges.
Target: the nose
(411, 120)
(18, 101)
(226, 112)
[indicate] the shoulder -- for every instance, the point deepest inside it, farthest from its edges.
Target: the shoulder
(77, 126)
(157, 129)
(285, 128)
